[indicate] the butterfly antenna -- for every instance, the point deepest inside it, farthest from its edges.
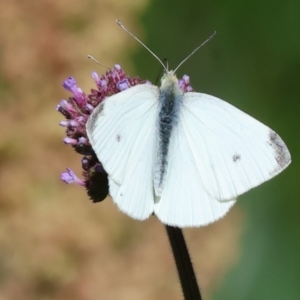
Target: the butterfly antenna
(124, 28)
(166, 62)
(207, 40)
(95, 60)
(159, 72)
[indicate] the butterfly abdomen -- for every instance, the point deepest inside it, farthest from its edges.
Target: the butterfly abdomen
(170, 99)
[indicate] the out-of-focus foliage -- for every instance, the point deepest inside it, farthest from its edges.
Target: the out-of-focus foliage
(253, 63)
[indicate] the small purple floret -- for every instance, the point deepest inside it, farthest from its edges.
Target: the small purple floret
(73, 123)
(85, 163)
(82, 140)
(69, 83)
(80, 119)
(114, 76)
(89, 107)
(96, 78)
(70, 141)
(123, 85)
(78, 95)
(63, 123)
(58, 107)
(70, 177)
(186, 78)
(118, 67)
(65, 105)
(103, 84)
(184, 84)
(70, 123)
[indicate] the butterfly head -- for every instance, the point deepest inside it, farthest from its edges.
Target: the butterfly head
(168, 79)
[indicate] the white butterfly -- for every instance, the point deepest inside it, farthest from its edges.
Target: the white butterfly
(183, 156)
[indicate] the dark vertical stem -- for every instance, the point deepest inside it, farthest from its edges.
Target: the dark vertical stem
(184, 265)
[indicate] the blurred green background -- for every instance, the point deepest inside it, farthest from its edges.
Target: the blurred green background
(56, 244)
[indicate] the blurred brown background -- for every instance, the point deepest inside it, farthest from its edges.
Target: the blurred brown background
(55, 243)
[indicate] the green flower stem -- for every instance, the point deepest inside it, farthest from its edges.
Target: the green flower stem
(184, 265)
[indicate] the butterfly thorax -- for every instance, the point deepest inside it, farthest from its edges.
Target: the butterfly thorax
(170, 99)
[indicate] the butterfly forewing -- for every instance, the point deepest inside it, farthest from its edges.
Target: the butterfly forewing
(122, 133)
(232, 151)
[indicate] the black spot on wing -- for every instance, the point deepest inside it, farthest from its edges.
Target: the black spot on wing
(281, 152)
(118, 138)
(236, 157)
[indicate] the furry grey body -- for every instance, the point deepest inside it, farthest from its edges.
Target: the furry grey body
(170, 100)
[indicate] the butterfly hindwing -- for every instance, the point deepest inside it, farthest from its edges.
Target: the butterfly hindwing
(184, 201)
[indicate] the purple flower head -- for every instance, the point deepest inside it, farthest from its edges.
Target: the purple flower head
(77, 110)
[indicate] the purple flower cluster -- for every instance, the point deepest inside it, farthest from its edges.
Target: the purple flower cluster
(77, 110)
